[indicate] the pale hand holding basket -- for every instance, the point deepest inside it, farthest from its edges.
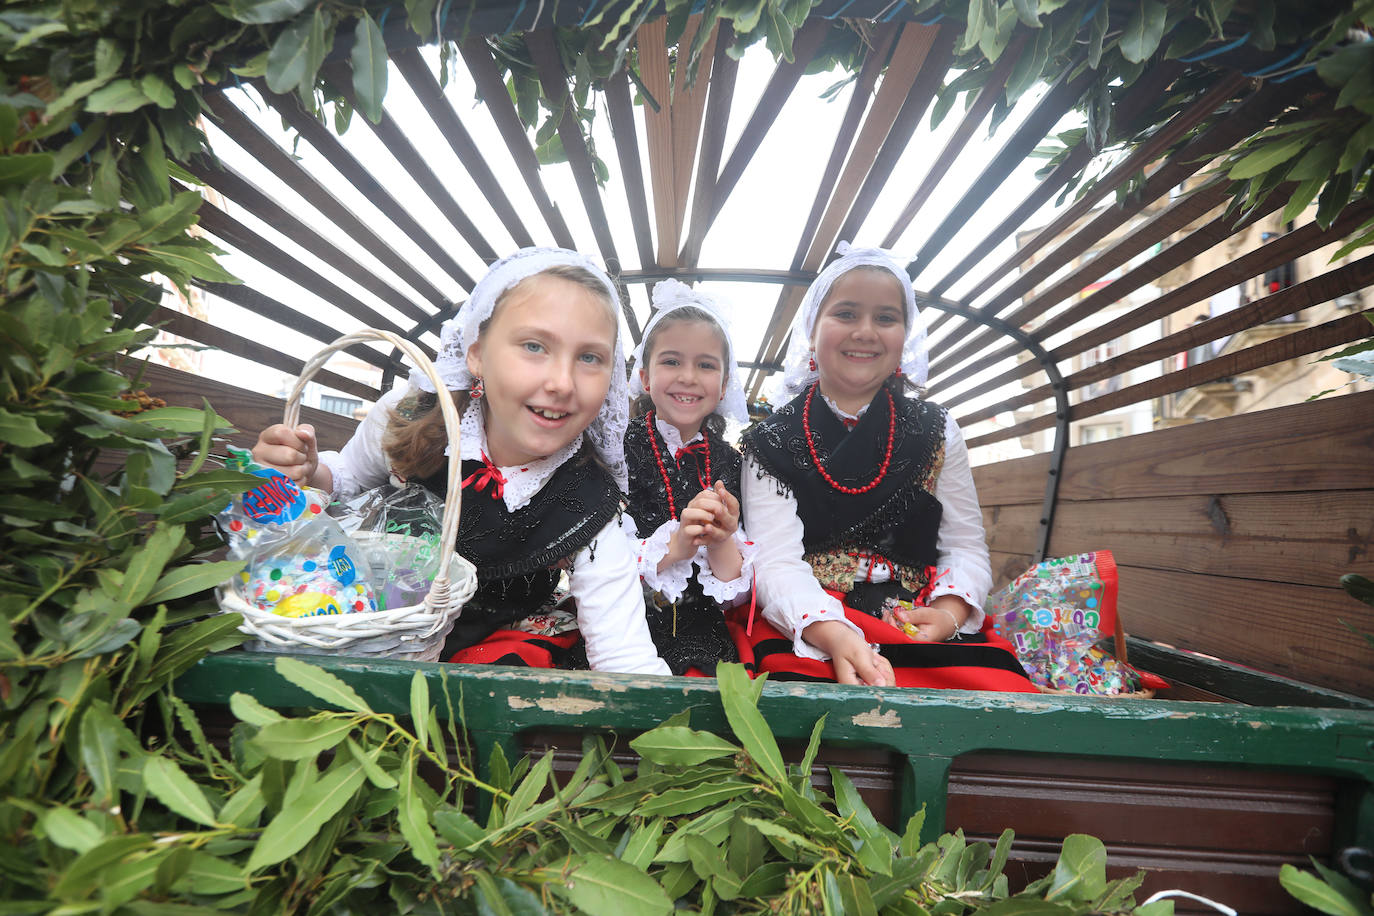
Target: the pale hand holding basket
(414, 632)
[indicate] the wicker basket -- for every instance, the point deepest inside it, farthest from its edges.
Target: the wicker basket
(415, 632)
(1119, 641)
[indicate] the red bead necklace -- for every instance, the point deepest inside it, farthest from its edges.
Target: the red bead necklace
(663, 471)
(815, 459)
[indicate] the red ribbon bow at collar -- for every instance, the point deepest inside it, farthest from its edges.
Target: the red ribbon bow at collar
(698, 447)
(487, 474)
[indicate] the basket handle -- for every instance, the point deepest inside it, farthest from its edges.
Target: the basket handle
(438, 597)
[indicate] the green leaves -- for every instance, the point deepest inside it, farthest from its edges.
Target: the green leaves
(678, 746)
(369, 68)
(1336, 895)
(1144, 30)
(321, 684)
(738, 696)
(296, 55)
(308, 804)
(169, 784)
(602, 884)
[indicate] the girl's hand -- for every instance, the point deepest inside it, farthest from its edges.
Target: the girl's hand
(291, 451)
(854, 660)
(723, 514)
(937, 622)
(689, 536)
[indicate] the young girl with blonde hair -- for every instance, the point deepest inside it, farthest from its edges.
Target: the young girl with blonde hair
(533, 361)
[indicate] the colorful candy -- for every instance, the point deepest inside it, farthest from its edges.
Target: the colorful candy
(1054, 614)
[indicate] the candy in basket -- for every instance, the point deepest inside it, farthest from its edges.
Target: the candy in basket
(374, 624)
(398, 529)
(300, 562)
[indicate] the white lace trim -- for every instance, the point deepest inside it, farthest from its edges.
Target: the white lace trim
(796, 365)
(343, 479)
(522, 481)
(726, 590)
(840, 412)
(672, 581)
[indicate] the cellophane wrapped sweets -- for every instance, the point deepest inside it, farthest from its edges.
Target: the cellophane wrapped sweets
(398, 528)
(1054, 614)
(300, 562)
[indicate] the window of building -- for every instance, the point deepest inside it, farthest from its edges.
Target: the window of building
(1099, 432)
(344, 407)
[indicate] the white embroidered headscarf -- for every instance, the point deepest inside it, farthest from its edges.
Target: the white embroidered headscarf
(607, 431)
(797, 373)
(669, 296)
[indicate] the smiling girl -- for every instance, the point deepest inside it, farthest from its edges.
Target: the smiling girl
(534, 363)
(868, 499)
(685, 480)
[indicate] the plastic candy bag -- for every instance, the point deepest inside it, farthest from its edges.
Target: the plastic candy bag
(398, 528)
(1055, 613)
(300, 562)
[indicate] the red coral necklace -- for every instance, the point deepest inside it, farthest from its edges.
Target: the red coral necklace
(663, 471)
(815, 459)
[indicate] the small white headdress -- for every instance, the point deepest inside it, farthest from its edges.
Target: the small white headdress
(797, 373)
(607, 431)
(669, 296)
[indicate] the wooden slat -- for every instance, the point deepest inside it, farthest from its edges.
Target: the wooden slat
(1143, 93)
(784, 79)
(1241, 825)
(184, 325)
(554, 80)
(1303, 447)
(1061, 97)
(974, 116)
(1249, 535)
(688, 108)
(1290, 246)
(651, 41)
(417, 166)
(1294, 630)
(1291, 346)
(492, 90)
(913, 111)
(717, 118)
(249, 411)
(1186, 161)
(858, 100)
(919, 63)
(261, 304)
(631, 172)
(249, 136)
(1173, 218)
(914, 49)
(426, 88)
(236, 234)
(249, 196)
(1212, 233)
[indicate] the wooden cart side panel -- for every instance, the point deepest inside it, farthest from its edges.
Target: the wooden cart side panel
(1230, 536)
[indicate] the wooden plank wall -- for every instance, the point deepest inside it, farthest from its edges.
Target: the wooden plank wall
(249, 411)
(1231, 536)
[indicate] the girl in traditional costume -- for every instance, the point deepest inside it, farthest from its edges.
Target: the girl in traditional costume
(694, 557)
(534, 363)
(868, 500)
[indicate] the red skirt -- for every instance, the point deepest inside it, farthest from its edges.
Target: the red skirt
(981, 661)
(518, 648)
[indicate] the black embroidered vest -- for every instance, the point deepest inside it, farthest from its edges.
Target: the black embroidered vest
(517, 554)
(648, 498)
(900, 517)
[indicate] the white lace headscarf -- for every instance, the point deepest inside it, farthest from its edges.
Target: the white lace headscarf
(607, 431)
(669, 296)
(797, 373)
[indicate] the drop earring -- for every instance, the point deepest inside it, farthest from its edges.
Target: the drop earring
(812, 363)
(477, 391)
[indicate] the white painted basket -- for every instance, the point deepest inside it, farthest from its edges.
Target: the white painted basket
(415, 632)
